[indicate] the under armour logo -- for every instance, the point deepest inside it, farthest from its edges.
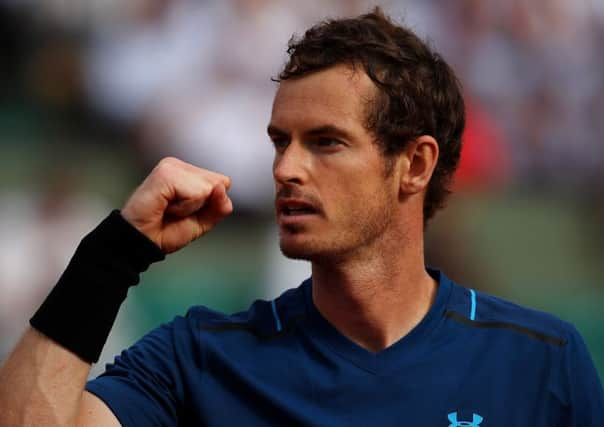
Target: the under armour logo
(476, 420)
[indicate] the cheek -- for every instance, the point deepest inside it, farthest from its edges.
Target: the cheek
(355, 195)
(352, 184)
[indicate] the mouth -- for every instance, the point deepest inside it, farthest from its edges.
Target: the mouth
(293, 208)
(297, 211)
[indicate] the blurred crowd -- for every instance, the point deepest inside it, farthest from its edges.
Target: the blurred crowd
(93, 93)
(192, 78)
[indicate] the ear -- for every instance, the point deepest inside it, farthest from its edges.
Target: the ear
(418, 162)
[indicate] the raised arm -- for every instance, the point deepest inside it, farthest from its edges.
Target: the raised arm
(42, 381)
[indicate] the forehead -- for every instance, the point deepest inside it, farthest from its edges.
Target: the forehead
(338, 95)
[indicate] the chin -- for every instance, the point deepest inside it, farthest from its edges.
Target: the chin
(297, 251)
(294, 247)
(297, 245)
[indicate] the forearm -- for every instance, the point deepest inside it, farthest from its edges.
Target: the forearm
(43, 379)
(41, 383)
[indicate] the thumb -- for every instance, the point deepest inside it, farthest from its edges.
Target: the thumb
(185, 207)
(222, 200)
(217, 206)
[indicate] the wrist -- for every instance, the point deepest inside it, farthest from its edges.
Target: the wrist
(80, 310)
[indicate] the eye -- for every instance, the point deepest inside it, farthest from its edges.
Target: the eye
(327, 142)
(279, 142)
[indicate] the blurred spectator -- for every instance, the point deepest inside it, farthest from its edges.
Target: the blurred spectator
(484, 160)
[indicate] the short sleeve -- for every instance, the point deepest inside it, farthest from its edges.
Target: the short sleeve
(585, 388)
(145, 384)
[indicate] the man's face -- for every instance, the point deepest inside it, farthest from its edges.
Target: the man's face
(333, 195)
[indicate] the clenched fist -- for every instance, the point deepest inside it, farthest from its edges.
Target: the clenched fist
(177, 203)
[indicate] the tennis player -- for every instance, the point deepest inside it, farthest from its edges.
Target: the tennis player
(366, 125)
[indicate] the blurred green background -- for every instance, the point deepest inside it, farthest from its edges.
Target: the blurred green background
(93, 94)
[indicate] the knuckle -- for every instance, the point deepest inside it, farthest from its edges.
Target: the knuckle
(167, 163)
(165, 167)
(169, 160)
(206, 187)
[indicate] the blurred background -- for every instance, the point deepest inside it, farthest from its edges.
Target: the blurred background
(94, 92)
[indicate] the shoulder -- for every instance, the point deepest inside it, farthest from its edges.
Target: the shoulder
(264, 318)
(480, 310)
(532, 347)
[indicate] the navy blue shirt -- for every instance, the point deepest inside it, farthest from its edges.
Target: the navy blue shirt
(474, 361)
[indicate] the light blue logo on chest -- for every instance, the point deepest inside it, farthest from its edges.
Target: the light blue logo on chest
(476, 420)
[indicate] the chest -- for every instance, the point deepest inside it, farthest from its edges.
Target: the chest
(448, 392)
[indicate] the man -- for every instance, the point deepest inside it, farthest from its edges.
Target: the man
(367, 125)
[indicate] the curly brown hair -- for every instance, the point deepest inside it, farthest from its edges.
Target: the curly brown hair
(418, 93)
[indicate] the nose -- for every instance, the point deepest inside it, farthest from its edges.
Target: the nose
(291, 164)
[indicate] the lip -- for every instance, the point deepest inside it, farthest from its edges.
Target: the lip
(285, 204)
(289, 220)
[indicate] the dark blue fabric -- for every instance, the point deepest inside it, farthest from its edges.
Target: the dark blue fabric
(510, 366)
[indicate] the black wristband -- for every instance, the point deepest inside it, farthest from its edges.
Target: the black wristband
(80, 310)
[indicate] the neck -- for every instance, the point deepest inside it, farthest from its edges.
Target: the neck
(377, 297)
